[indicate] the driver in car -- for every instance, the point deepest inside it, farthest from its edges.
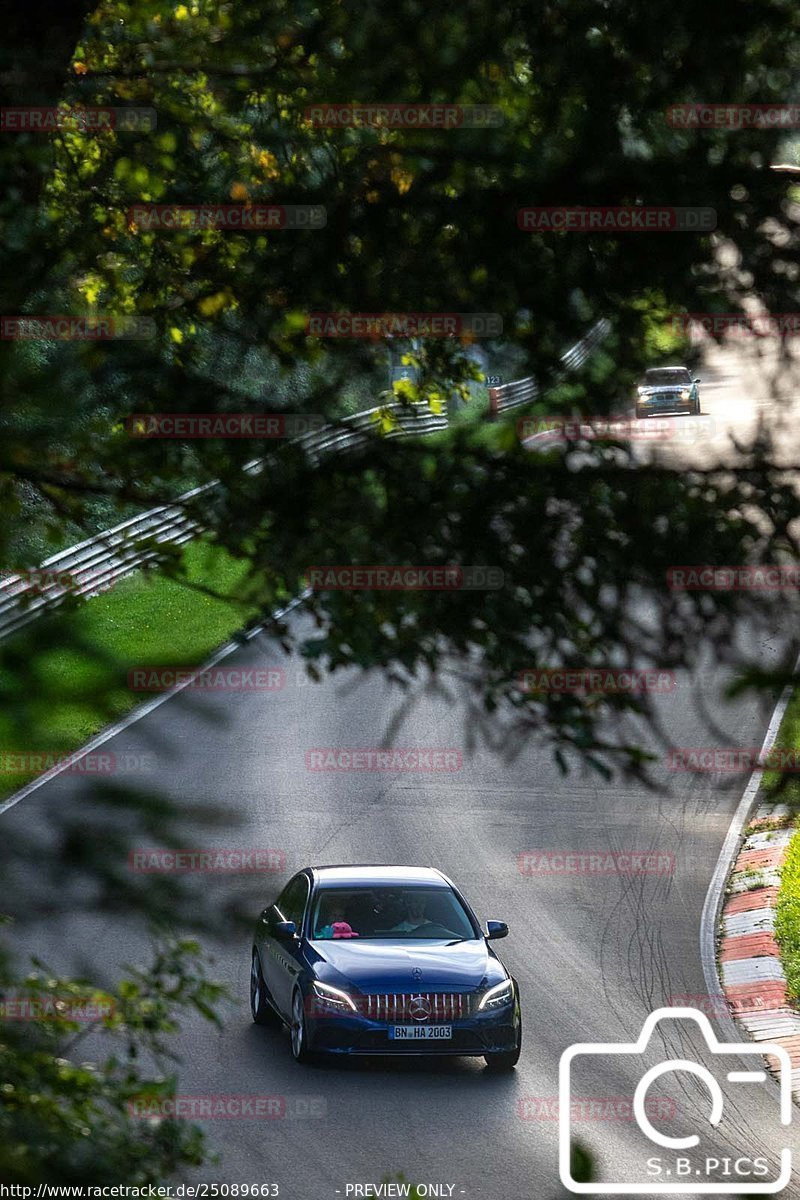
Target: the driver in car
(415, 915)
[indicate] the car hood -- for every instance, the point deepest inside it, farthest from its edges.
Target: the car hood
(388, 966)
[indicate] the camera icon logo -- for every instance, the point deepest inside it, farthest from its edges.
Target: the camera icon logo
(702, 1172)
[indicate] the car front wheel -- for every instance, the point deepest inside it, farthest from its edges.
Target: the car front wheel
(299, 1030)
(260, 1007)
(640, 413)
(506, 1060)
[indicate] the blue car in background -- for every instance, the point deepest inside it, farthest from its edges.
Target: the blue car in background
(667, 390)
(383, 960)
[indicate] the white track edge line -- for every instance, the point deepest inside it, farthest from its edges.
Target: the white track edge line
(143, 710)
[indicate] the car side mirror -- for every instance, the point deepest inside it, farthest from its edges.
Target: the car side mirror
(697, 381)
(285, 931)
(265, 914)
(496, 929)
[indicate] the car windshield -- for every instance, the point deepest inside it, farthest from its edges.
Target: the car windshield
(667, 377)
(389, 913)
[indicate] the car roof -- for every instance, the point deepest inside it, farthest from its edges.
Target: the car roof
(371, 874)
(677, 367)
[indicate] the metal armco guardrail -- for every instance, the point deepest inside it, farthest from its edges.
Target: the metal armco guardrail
(91, 566)
(96, 564)
(388, 421)
(523, 391)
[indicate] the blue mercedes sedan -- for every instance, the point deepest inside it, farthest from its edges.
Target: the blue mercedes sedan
(383, 960)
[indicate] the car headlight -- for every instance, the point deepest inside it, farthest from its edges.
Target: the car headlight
(685, 394)
(497, 996)
(337, 1000)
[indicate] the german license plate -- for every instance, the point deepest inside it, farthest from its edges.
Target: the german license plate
(420, 1033)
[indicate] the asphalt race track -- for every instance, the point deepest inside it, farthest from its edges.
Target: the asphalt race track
(593, 954)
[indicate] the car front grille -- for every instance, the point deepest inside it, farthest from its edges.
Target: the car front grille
(397, 1006)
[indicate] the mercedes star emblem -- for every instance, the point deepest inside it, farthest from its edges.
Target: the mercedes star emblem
(419, 1008)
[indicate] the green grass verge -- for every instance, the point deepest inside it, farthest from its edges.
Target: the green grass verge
(786, 789)
(787, 915)
(787, 918)
(65, 678)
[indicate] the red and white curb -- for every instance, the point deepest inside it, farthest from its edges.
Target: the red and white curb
(750, 968)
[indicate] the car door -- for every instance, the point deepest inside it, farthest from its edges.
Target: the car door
(281, 959)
